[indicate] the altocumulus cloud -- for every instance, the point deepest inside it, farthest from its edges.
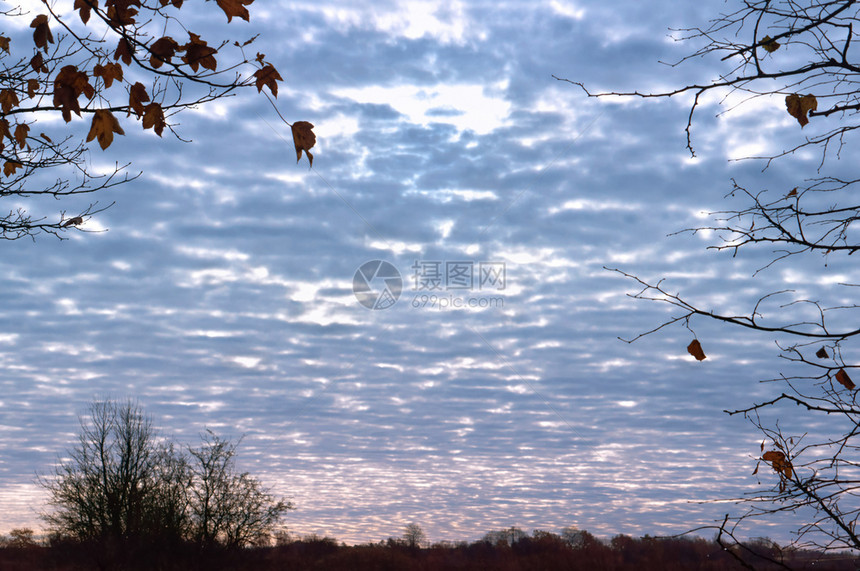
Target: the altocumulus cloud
(221, 293)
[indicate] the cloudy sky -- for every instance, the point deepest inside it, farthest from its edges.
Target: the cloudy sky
(218, 290)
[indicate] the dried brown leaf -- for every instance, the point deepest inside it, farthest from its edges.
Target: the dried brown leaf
(695, 349)
(42, 35)
(21, 132)
(9, 167)
(103, 127)
(843, 379)
(153, 117)
(799, 107)
(235, 8)
(769, 44)
(8, 100)
(268, 76)
(303, 139)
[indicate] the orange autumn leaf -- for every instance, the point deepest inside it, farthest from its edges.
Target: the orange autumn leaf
(124, 51)
(42, 35)
(21, 132)
(844, 380)
(32, 87)
(781, 465)
(8, 100)
(103, 127)
(72, 222)
(268, 76)
(137, 96)
(108, 72)
(70, 84)
(122, 13)
(4, 130)
(83, 7)
(235, 8)
(792, 193)
(799, 107)
(303, 139)
(198, 53)
(9, 167)
(153, 117)
(4, 44)
(695, 349)
(37, 62)
(162, 50)
(821, 353)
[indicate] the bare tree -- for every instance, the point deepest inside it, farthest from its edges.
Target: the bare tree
(106, 489)
(229, 508)
(124, 487)
(413, 536)
(803, 55)
(102, 61)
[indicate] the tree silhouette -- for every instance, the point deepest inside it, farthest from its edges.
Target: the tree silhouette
(413, 536)
(229, 508)
(125, 490)
(108, 64)
(801, 56)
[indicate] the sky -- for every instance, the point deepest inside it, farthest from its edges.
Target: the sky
(218, 290)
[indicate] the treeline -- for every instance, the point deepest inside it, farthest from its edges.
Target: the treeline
(505, 550)
(127, 497)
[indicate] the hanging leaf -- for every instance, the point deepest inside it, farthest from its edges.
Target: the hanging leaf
(137, 96)
(5, 133)
(21, 132)
(9, 167)
(4, 44)
(780, 464)
(32, 87)
(108, 72)
(770, 45)
(37, 62)
(124, 51)
(70, 84)
(695, 349)
(42, 35)
(162, 50)
(792, 193)
(153, 117)
(83, 7)
(844, 380)
(8, 100)
(304, 139)
(269, 77)
(799, 107)
(198, 53)
(821, 353)
(235, 8)
(103, 127)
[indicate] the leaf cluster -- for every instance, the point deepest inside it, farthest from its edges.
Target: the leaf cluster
(111, 63)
